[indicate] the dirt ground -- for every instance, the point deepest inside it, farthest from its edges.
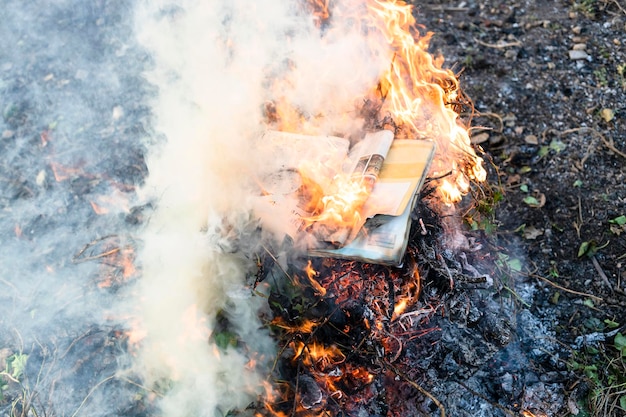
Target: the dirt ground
(548, 81)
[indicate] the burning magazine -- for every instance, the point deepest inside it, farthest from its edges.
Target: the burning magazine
(346, 202)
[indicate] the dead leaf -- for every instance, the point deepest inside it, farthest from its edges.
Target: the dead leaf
(479, 138)
(607, 114)
(532, 233)
(531, 140)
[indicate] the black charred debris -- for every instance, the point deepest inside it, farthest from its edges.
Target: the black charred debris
(463, 344)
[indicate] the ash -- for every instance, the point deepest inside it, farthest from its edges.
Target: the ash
(467, 344)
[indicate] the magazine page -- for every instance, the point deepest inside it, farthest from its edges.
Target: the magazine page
(402, 175)
(384, 237)
(341, 216)
(382, 240)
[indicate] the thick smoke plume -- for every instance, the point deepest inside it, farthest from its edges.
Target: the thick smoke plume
(216, 66)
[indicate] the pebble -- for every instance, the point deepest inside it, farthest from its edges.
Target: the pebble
(580, 47)
(577, 30)
(576, 55)
(510, 54)
(7, 134)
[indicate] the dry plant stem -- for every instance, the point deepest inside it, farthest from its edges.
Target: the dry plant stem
(608, 143)
(619, 7)
(503, 45)
(449, 8)
(582, 294)
(442, 409)
(78, 257)
(605, 279)
(90, 393)
(495, 116)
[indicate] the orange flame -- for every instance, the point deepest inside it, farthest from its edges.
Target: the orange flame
(419, 94)
(311, 274)
(416, 91)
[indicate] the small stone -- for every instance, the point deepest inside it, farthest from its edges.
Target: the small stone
(510, 54)
(576, 55)
(579, 47)
(616, 42)
(7, 134)
(576, 30)
(48, 77)
(551, 65)
(573, 15)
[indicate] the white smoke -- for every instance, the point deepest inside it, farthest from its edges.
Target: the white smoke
(216, 64)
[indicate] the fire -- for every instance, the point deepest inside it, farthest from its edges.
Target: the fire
(420, 95)
(311, 274)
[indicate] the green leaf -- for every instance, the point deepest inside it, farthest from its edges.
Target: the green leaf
(543, 151)
(523, 188)
(589, 303)
(620, 221)
(619, 341)
(515, 265)
(531, 201)
(557, 146)
(16, 364)
(225, 339)
(584, 247)
(578, 183)
(622, 402)
(611, 324)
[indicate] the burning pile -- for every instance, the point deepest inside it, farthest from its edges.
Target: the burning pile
(349, 332)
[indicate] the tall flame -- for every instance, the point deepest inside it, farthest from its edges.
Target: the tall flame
(420, 95)
(415, 91)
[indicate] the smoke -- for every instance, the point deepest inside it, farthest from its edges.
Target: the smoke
(71, 128)
(216, 66)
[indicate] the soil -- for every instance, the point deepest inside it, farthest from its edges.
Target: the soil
(553, 127)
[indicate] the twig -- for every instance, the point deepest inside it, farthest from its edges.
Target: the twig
(582, 294)
(442, 410)
(78, 256)
(619, 7)
(608, 143)
(91, 392)
(605, 279)
(499, 45)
